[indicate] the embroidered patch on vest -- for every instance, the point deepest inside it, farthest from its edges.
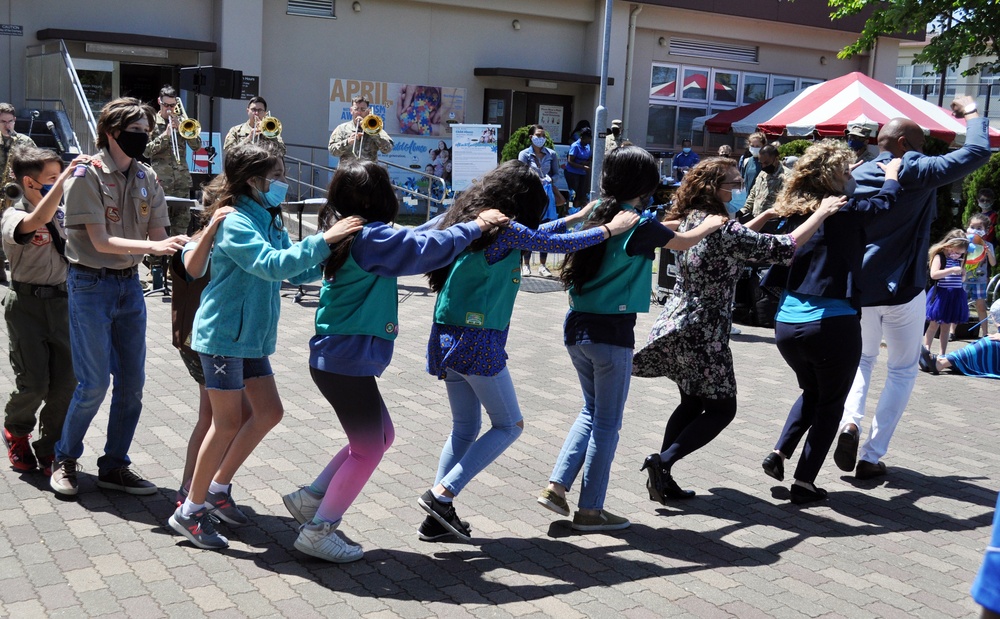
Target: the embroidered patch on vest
(81, 170)
(474, 319)
(111, 213)
(41, 238)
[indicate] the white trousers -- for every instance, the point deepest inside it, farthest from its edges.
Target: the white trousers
(902, 327)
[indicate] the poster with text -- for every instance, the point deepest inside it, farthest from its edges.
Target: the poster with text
(405, 109)
(551, 117)
(474, 153)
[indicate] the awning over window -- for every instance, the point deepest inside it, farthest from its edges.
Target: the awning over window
(118, 38)
(548, 76)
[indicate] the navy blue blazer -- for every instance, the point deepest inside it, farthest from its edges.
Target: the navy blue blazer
(829, 263)
(895, 263)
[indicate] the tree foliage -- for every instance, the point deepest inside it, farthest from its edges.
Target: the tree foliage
(520, 140)
(959, 28)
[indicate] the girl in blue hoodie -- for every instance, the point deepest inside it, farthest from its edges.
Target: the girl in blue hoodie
(236, 328)
(356, 325)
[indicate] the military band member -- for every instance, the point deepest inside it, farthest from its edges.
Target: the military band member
(115, 213)
(248, 131)
(8, 140)
(171, 168)
(36, 309)
(348, 137)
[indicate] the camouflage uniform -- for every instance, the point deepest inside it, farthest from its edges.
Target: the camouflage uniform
(243, 134)
(174, 176)
(7, 145)
(341, 146)
(765, 191)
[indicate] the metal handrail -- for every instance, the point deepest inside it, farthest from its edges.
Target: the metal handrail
(80, 95)
(65, 110)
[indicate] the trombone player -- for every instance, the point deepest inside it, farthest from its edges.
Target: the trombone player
(167, 154)
(356, 138)
(253, 131)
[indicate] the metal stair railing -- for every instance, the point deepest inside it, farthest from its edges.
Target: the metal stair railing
(51, 76)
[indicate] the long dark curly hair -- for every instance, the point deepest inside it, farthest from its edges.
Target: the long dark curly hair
(697, 192)
(511, 188)
(629, 172)
(359, 187)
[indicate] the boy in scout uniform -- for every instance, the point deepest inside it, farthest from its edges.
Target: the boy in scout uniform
(36, 309)
(247, 132)
(173, 173)
(115, 213)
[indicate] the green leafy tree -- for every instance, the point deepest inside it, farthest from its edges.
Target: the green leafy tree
(795, 148)
(960, 28)
(987, 176)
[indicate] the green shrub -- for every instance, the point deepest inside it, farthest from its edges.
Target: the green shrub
(795, 148)
(520, 140)
(986, 176)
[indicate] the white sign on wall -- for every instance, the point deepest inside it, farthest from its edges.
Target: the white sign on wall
(551, 117)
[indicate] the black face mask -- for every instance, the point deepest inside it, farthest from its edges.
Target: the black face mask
(770, 169)
(132, 144)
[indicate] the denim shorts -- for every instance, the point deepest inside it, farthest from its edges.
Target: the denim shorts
(228, 373)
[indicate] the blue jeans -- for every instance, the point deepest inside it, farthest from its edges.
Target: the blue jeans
(605, 372)
(107, 331)
(463, 456)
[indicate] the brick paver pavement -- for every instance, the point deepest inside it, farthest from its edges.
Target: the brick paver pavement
(904, 546)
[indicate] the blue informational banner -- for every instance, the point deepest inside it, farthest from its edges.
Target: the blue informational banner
(474, 150)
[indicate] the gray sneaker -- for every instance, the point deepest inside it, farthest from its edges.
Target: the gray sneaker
(63, 478)
(321, 541)
(302, 504)
(602, 521)
(223, 507)
(198, 528)
(126, 480)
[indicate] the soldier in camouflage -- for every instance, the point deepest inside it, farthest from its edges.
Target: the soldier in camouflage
(172, 172)
(8, 140)
(247, 132)
(344, 139)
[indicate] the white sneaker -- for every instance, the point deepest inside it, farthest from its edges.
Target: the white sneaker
(302, 504)
(544, 272)
(525, 271)
(321, 541)
(734, 330)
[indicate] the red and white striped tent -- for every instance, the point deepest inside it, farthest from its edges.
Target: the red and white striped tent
(827, 109)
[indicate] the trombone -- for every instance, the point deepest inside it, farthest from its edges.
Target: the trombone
(269, 127)
(370, 125)
(188, 128)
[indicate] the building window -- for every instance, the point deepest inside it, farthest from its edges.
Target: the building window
(694, 84)
(311, 8)
(725, 87)
(782, 85)
(663, 84)
(754, 87)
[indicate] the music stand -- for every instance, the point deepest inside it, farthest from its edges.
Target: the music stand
(313, 205)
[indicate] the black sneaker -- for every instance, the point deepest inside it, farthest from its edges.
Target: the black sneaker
(430, 530)
(445, 514)
(125, 480)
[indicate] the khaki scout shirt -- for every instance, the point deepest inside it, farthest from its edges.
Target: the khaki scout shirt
(243, 134)
(33, 256)
(371, 145)
(128, 207)
(160, 151)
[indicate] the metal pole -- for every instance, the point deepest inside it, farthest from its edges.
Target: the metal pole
(989, 95)
(633, 16)
(601, 115)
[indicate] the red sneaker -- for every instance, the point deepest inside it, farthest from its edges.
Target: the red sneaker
(19, 451)
(45, 463)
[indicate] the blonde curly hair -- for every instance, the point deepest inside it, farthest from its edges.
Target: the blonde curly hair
(818, 173)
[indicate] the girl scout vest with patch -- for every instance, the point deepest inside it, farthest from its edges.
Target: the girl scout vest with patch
(621, 284)
(478, 294)
(357, 302)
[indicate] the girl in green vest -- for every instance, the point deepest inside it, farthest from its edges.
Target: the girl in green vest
(475, 300)
(608, 284)
(356, 326)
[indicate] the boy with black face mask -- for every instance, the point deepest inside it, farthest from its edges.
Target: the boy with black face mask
(115, 213)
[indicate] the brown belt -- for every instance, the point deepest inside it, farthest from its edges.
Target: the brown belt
(42, 292)
(129, 272)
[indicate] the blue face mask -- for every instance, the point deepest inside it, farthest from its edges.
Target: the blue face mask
(686, 149)
(855, 144)
(46, 188)
(737, 202)
(275, 194)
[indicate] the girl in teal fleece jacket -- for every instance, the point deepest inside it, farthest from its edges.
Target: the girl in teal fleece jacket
(235, 330)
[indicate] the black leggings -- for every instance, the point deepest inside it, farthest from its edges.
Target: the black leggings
(695, 422)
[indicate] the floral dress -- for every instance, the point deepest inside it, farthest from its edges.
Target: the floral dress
(689, 342)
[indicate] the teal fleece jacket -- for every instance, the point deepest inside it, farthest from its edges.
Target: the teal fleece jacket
(239, 309)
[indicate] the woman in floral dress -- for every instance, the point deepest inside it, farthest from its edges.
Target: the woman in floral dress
(689, 342)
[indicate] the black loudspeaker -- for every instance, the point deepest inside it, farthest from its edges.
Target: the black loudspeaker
(212, 81)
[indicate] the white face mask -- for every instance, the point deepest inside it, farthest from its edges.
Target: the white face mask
(755, 150)
(537, 141)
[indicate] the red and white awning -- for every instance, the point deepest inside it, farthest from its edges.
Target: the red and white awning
(827, 109)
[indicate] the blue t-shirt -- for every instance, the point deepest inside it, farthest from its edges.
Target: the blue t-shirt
(801, 308)
(581, 153)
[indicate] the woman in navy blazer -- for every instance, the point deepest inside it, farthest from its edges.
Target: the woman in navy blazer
(817, 328)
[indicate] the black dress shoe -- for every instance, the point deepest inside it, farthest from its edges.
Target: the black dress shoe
(845, 456)
(927, 361)
(672, 491)
(654, 485)
(801, 494)
(867, 470)
(774, 466)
